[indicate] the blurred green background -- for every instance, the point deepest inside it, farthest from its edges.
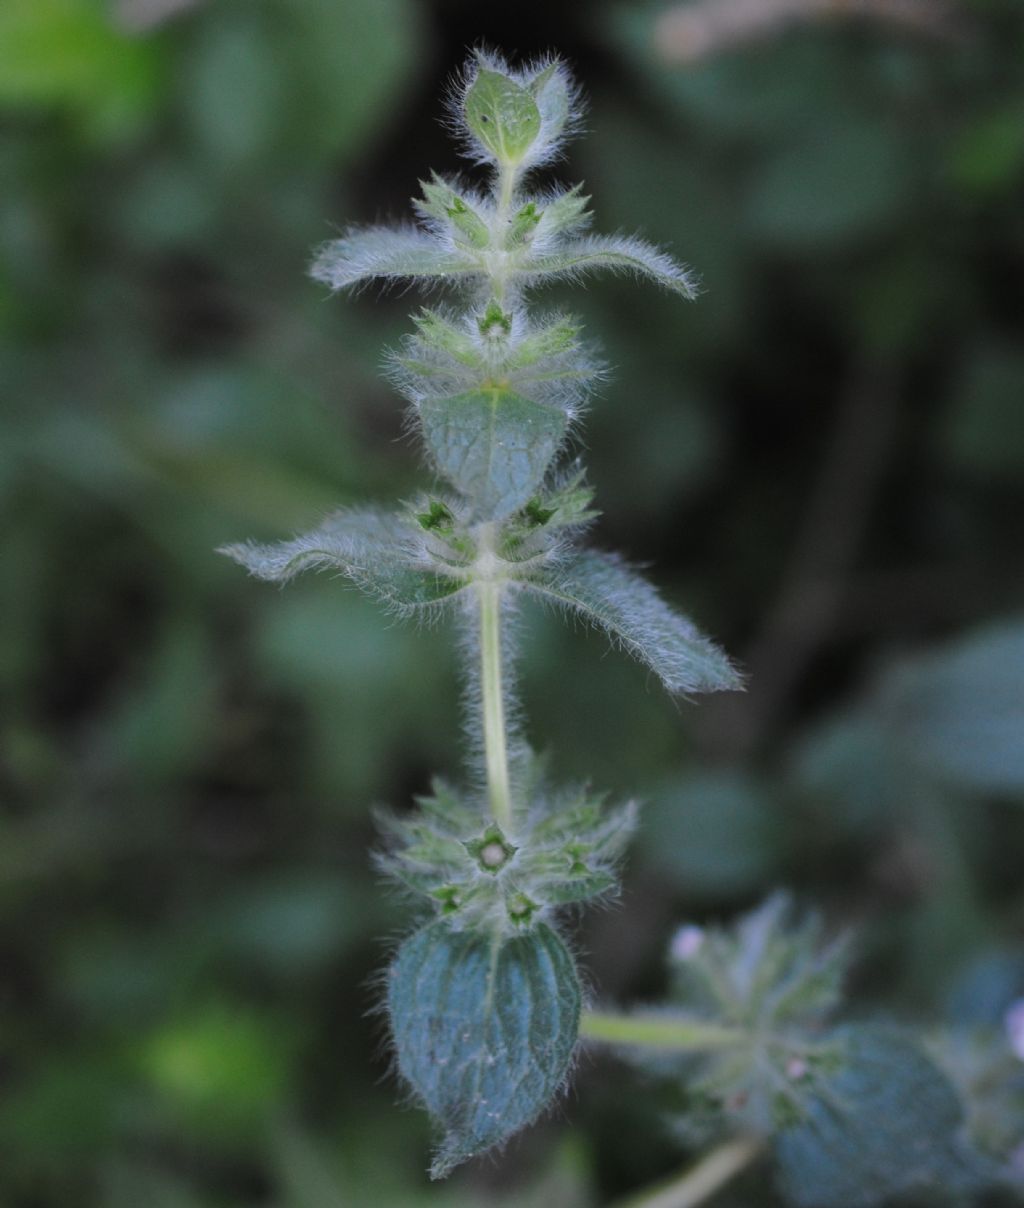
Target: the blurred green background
(822, 460)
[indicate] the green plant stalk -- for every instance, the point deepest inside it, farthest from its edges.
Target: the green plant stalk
(499, 791)
(656, 1032)
(505, 188)
(492, 700)
(700, 1182)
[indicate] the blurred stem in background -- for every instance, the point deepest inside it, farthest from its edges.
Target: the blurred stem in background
(699, 1182)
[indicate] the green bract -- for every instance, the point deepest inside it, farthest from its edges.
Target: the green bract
(484, 1000)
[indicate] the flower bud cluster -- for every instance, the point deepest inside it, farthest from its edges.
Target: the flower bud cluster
(475, 876)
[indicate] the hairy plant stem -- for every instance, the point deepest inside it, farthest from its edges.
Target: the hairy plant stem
(492, 699)
(505, 189)
(700, 1182)
(658, 1032)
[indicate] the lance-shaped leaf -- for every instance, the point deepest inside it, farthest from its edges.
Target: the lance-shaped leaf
(617, 253)
(606, 592)
(373, 549)
(484, 1029)
(391, 254)
(493, 445)
(885, 1121)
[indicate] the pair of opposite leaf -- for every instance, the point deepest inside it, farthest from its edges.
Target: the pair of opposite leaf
(484, 1001)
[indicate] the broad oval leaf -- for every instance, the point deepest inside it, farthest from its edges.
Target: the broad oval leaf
(502, 115)
(493, 445)
(886, 1121)
(484, 1026)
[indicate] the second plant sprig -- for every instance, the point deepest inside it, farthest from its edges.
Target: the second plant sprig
(484, 1000)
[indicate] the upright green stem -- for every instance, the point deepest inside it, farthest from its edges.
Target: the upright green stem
(505, 190)
(700, 1182)
(493, 701)
(507, 178)
(489, 591)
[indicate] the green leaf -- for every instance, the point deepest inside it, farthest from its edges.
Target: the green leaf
(372, 549)
(493, 445)
(958, 714)
(771, 972)
(388, 253)
(583, 885)
(606, 592)
(444, 203)
(502, 116)
(556, 339)
(524, 223)
(567, 211)
(885, 1121)
(617, 253)
(484, 1030)
(552, 91)
(440, 334)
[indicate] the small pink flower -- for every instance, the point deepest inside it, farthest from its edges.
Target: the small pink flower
(686, 942)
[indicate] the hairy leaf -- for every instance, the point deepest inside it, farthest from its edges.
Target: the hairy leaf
(501, 115)
(438, 333)
(607, 593)
(493, 445)
(552, 340)
(884, 1122)
(362, 255)
(553, 93)
(770, 971)
(443, 202)
(372, 549)
(484, 1029)
(618, 254)
(565, 211)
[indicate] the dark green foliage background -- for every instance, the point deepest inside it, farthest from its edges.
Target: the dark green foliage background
(822, 460)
